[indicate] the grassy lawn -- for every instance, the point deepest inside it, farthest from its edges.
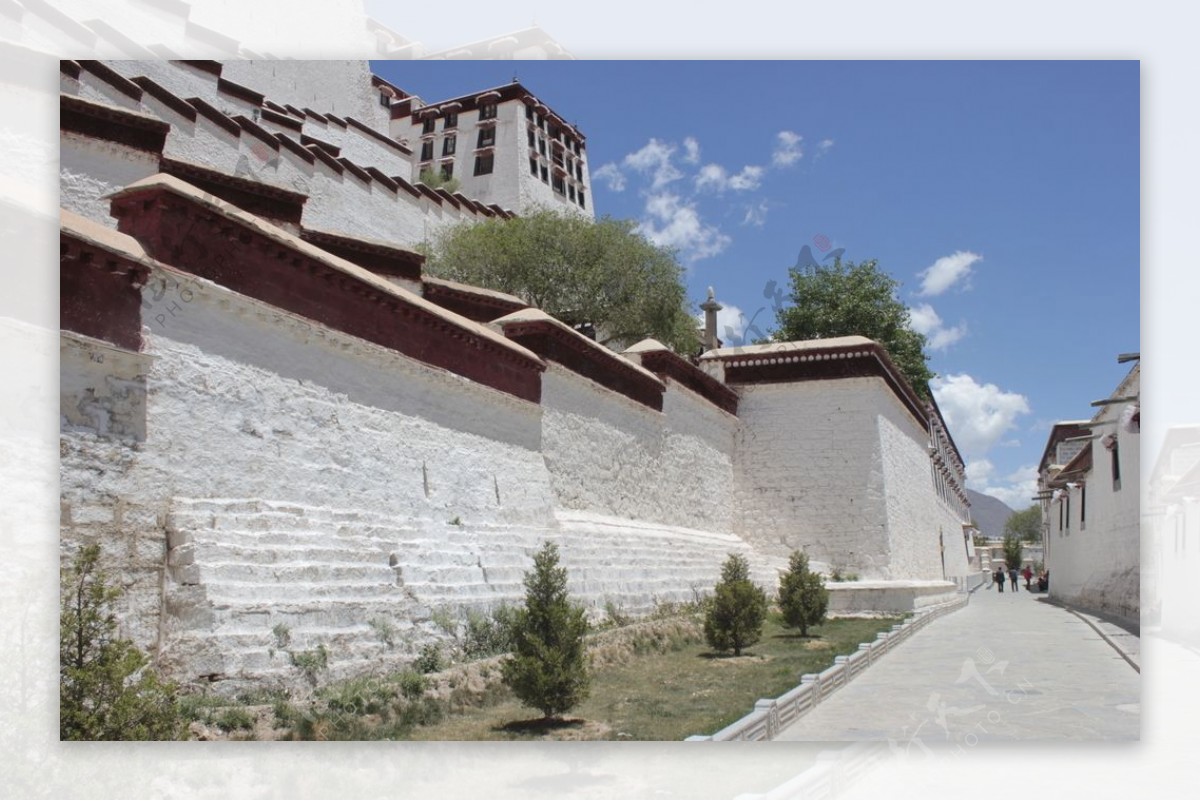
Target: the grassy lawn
(671, 695)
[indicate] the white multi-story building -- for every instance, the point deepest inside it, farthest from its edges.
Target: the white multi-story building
(1088, 482)
(504, 146)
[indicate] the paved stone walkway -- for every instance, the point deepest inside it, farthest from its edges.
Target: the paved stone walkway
(1005, 667)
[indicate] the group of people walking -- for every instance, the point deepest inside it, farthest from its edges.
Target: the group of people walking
(1043, 579)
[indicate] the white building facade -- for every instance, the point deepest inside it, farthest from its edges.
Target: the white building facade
(504, 146)
(1089, 482)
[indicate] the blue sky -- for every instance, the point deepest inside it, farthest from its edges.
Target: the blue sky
(1004, 196)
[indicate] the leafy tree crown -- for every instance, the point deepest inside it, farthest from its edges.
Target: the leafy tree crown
(1025, 525)
(601, 273)
(848, 299)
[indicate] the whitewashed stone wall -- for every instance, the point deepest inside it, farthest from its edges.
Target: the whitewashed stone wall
(612, 456)
(915, 513)
(251, 470)
(91, 168)
(809, 473)
(339, 87)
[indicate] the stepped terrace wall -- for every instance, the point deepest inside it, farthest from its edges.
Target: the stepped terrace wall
(250, 472)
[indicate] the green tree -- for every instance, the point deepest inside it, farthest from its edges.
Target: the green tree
(1025, 525)
(1012, 552)
(735, 614)
(803, 598)
(548, 667)
(848, 299)
(603, 274)
(438, 180)
(107, 691)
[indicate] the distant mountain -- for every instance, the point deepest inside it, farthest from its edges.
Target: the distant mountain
(990, 514)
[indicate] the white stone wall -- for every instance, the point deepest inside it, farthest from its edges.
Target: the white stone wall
(251, 470)
(91, 168)
(609, 455)
(840, 469)
(916, 514)
(809, 475)
(339, 87)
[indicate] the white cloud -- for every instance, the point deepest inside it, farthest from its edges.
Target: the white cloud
(979, 472)
(824, 145)
(947, 271)
(978, 415)
(655, 158)
(756, 215)
(675, 223)
(715, 177)
(612, 175)
(692, 150)
(926, 321)
(787, 149)
(1016, 489)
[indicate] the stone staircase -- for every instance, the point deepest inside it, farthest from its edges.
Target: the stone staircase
(254, 584)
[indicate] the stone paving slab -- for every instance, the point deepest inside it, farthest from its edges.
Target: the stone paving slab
(1006, 667)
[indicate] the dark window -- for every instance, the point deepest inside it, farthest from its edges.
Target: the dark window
(1060, 515)
(1116, 466)
(430, 122)
(555, 131)
(448, 145)
(558, 185)
(483, 164)
(384, 100)
(427, 150)
(541, 122)
(1082, 506)
(571, 192)
(579, 171)
(1067, 503)
(487, 111)
(541, 146)
(531, 139)
(533, 167)
(545, 175)
(451, 121)
(448, 170)
(487, 136)
(529, 112)
(582, 200)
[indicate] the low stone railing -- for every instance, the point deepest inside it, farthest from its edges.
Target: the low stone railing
(771, 715)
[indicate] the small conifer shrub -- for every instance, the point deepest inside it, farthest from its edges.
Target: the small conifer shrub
(734, 616)
(548, 668)
(803, 598)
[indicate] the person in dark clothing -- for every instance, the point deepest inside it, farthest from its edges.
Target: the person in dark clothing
(998, 578)
(1012, 574)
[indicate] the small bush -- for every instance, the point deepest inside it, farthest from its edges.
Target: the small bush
(412, 685)
(615, 615)
(311, 663)
(430, 659)
(803, 598)
(737, 610)
(283, 635)
(488, 634)
(548, 668)
(384, 630)
(363, 696)
(233, 719)
(107, 689)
